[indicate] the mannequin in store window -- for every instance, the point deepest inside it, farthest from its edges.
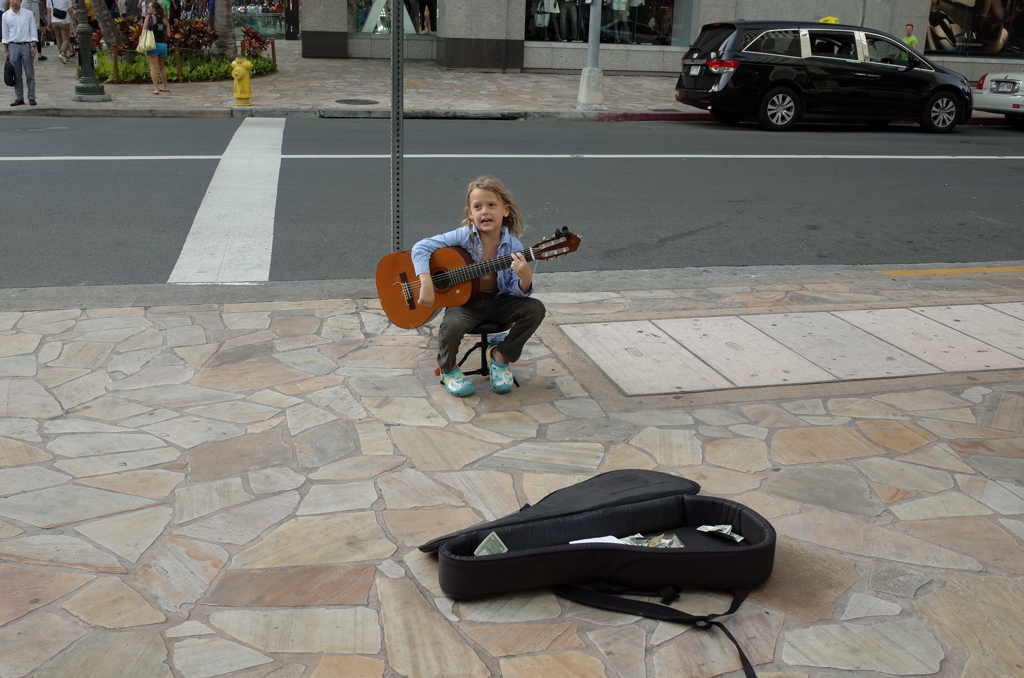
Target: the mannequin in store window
(429, 21)
(569, 20)
(620, 25)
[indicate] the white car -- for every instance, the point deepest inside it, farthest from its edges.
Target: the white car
(1002, 93)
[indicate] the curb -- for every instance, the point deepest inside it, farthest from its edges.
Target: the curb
(409, 114)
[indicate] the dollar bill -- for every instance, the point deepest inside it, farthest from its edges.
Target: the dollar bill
(491, 545)
(722, 530)
(661, 541)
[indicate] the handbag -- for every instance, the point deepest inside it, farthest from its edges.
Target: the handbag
(147, 42)
(8, 74)
(59, 13)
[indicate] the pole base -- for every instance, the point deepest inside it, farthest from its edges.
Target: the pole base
(92, 97)
(591, 88)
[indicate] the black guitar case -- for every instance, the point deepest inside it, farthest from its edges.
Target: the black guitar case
(620, 504)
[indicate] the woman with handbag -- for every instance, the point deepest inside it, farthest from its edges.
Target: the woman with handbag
(156, 22)
(61, 14)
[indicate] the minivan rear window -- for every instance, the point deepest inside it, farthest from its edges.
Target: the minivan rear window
(782, 42)
(711, 39)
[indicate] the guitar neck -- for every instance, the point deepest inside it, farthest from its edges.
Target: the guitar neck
(478, 269)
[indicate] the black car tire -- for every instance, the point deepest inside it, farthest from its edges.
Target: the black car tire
(942, 113)
(726, 117)
(779, 110)
(1016, 120)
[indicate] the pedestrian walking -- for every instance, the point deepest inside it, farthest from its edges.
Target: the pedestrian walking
(910, 40)
(156, 22)
(38, 9)
(60, 13)
(20, 38)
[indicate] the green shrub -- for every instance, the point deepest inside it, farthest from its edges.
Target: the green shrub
(194, 68)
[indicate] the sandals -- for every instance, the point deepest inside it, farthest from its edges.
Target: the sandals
(501, 375)
(457, 383)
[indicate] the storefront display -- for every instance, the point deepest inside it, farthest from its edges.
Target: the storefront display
(976, 28)
(374, 16)
(628, 22)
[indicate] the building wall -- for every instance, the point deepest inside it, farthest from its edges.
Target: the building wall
(323, 25)
(489, 34)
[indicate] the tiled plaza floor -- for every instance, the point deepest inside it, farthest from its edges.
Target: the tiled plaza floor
(239, 490)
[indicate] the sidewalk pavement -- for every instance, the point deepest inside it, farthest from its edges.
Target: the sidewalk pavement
(239, 489)
(314, 87)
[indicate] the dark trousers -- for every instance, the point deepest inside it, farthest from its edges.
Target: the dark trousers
(21, 59)
(526, 314)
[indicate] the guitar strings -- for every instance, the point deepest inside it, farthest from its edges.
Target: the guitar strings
(470, 271)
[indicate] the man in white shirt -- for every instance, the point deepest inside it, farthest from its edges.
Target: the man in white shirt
(19, 38)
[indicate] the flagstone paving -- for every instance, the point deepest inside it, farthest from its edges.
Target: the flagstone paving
(240, 490)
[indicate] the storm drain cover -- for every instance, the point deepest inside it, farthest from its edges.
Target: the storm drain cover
(43, 129)
(358, 102)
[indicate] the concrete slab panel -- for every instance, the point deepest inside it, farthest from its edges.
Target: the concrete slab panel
(641, 359)
(742, 353)
(839, 347)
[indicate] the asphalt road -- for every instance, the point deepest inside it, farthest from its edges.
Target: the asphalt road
(111, 201)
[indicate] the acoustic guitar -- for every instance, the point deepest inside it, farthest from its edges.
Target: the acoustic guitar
(455, 275)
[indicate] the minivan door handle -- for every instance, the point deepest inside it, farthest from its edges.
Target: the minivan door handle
(869, 76)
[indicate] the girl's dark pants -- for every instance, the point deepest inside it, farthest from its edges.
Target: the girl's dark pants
(526, 314)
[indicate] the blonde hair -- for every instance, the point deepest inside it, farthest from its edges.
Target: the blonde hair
(514, 221)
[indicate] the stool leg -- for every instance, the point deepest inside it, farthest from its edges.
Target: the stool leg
(482, 345)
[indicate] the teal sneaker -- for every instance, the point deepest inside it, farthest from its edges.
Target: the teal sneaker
(457, 383)
(501, 375)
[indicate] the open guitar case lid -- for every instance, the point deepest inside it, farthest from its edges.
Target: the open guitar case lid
(620, 504)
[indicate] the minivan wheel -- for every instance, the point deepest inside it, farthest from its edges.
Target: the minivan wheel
(942, 113)
(726, 118)
(1016, 120)
(779, 110)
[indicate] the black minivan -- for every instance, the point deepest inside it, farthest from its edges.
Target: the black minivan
(779, 73)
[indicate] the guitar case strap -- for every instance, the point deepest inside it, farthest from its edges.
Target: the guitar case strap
(605, 597)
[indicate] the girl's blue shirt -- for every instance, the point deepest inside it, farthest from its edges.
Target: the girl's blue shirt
(468, 238)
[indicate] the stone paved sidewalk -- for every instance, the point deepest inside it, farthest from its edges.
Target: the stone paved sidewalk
(317, 84)
(239, 490)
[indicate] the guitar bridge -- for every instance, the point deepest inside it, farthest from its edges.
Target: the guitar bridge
(407, 291)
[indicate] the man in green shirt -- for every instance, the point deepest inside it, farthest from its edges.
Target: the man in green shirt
(910, 39)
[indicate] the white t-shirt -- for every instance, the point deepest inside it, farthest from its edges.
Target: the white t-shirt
(62, 5)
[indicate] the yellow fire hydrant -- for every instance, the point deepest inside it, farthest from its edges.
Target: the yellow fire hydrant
(240, 68)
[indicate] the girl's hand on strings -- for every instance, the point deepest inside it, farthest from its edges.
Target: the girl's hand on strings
(426, 290)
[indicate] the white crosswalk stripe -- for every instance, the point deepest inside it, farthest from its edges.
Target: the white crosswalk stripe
(232, 234)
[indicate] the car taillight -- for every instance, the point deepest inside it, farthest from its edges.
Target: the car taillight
(981, 81)
(721, 65)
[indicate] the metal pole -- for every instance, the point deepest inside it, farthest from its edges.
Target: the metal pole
(594, 34)
(89, 88)
(397, 108)
(591, 94)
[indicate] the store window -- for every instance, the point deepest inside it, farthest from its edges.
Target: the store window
(374, 16)
(629, 22)
(975, 28)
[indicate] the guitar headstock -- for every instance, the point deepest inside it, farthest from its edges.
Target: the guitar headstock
(561, 243)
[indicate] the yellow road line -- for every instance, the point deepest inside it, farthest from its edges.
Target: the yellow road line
(955, 271)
